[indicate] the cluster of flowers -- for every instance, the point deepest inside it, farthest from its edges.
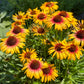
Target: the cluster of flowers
(43, 21)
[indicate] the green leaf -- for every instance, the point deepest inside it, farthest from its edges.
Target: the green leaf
(35, 82)
(1, 53)
(2, 15)
(62, 81)
(3, 32)
(5, 24)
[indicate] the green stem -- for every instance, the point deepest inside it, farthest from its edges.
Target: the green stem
(45, 48)
(67, 68)
(59, 65)
(56, 34)
(32, 80)
(27, 25)
(61, 35)
(28, 81)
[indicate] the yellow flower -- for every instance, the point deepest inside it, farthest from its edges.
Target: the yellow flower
(68, 16)
(33, 12)
(73, 51)
(49, 7)
(49, 73)
(58, 49)
(40, 17)
(27, 17)
(80, 24)
(73, 21)
(12, 44)
(77, 36)
(39, 30)
(33, 68)
(46, 41)
(16, 23)
(18, 30)
(28, 55)
(19, 17)
(59, 21)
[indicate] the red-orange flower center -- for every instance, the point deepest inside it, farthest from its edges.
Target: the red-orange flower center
(35, 64)
(41, 30)
(27, 16)
(33, 12)
(46, 70)
(27, 55)
(80, 34)
(16, 30)
(57, 19)
(81, 26)
(19, 17)
(17, 23)
(63, 13)
(58, 47)
(41, 16)
(73, 48)
(49, 4)
(11, 41)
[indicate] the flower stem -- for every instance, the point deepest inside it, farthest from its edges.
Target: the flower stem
(61, 35)
(56, 34)
(67, 68)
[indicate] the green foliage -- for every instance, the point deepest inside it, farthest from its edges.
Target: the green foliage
(4, 24)
(13, 6)
(10, 69)
(5, 6)
(75, 6)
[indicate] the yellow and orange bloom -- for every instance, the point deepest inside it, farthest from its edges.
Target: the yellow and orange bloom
(12, 44)
(39, 30)
(40, 17)
(80, 24)
(46, 41)
(58, 49)
(65, 14)
(78, 36)
(73, 51)
(33, 68)
(59, 22)
(28, 55)
(68, 16)
(18, 30)
(16, 23)
(33, 12)
(49, 7)
(49, 73)
(19, 17)
(27, 17)
(73, 21)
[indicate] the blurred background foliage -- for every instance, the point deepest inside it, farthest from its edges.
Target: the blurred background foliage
(13, 6)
